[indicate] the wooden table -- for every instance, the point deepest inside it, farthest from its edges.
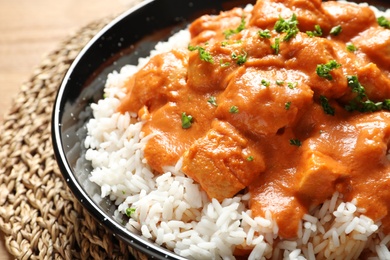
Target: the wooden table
(29, 30)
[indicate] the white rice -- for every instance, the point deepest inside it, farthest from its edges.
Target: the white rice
(172, 209)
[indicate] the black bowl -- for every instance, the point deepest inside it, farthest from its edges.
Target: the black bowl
(123, 41)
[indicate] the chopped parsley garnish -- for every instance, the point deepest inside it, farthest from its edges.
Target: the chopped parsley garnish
(382, 21)
(361, 102)
(386, 104)
(323, 70)
(266, 34)
(295, 142)
(276, 46)
(203, 54)
(316, 33)
(356, 87)
(336, 30)
(233, 110)
(370, 106)
(328, 109)
(250, 158)
(351, 47)
(279, 82)
(130, 211)
(213, 101)
(240, 58)
(287, 105)
(226, 43)
(292, 85)
(289, 26)
(265, 83)
(186, 121)
(224, 64)
(230, 32)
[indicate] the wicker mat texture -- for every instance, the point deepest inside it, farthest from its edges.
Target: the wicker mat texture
(39, 216)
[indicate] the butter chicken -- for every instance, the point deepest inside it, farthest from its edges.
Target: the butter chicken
(288, 102)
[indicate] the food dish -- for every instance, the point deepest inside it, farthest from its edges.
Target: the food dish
(119, 43)
(73, 128)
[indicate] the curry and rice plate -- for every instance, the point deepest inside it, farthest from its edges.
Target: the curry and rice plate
(261, 133)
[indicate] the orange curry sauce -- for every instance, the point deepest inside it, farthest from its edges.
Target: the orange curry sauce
(265, 117)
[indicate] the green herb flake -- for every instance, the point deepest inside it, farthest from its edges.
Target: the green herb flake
(213, 101)
(203, 54)
(289, 26)
(356, 87)
(361, 102)
(265, 83)
(230, 32)
(279, 82)
(287, 105)
(240, 58)
(328, 109)
(336, 30)
(276, 46)
(383, 22)
(186, 121)
(224, 64)
(323, 70)
(370, 106)
(250, 158)
(295, 142)
(130, 211)
(224, 43)
(351, 48)
(233, 110)
(316, 33)
(292, 85)
(265, 34)
(386, 104)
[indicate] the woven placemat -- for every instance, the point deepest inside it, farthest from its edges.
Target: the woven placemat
(39, 216)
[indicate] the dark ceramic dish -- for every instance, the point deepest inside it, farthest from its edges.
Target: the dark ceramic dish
(123, 41)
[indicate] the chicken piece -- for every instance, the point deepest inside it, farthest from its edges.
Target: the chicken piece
(263, 107)
(373, 138)
(375, 43)
(157, 82)
(305, 53)
(211, 27)
(209, 77)
(215, 74)
(352, 18)
(370, 184)
(309, 13)
(375, 82)
(319, 175)
(222, 162)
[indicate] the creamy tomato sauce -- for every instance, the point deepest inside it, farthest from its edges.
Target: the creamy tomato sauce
(287, 102)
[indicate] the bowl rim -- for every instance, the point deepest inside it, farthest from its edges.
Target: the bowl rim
(147, 247)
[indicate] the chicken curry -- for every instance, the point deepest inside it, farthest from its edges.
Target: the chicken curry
(288, 101)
